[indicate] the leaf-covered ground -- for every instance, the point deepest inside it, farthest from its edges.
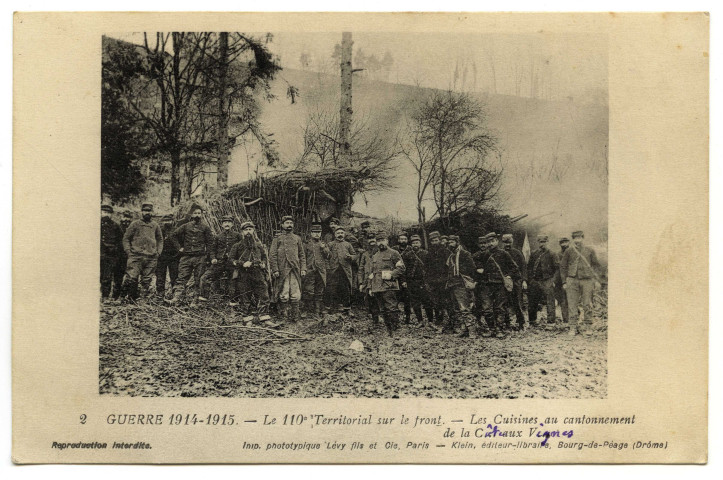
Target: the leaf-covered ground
(152, 350)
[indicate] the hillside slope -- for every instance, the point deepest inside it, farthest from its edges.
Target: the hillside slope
(554, 153)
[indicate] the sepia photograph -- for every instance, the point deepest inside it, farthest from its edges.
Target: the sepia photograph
(354, 214)
(360, 238)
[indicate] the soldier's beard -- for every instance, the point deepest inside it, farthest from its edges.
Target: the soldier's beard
(382, 246)
(146, 216)
(402, 244)
(249, 239)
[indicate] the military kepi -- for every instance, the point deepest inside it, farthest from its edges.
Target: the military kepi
(316, 227)
(507, 238)
(542, 238)
(434, 234)
(382, 235)
(147, 207)
(287, 217)
(106, 208)
(577, 233)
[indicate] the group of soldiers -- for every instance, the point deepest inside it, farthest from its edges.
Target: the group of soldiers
(446, 287)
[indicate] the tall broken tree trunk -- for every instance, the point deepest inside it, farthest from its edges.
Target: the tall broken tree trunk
(222, 167)
(345, 108)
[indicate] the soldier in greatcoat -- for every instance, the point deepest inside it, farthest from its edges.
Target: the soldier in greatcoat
(288, 265)
(193, 240)
(168, 259)
(499, 270)
(482, 301)
(143, 243)
(363, 274)
(436, 270)
(579, 269)
(387, 269)
(250, 261)
(342, 256)
(317, 256)
(220, 259)
(111, 245)
(542, 269)
(416, 279)
(515, 297)
(460, 270)
(120, 270)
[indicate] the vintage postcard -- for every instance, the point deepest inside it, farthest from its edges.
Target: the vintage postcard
(360, 238)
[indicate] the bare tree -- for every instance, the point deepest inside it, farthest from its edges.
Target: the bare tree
(451, 146)
(371, 148)
(193, 92)
(420, 154)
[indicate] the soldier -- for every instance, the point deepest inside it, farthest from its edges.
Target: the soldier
(122, 257)
(330, 236)
(317, 256)
(193, 240)
(111, 244)
(274, 282)
(220, 259)
(341, 257)
(459, 266)
(365, 270)
(387, 268)
(143, 243)
(250, 261)
(416, 278)
(483, 304)
(560, 295)
(366, 229)
(436, 270)
(402, 246)
(444, 240)
(514, 299)
(168, 259)
(288, 266)
(542, 268)
(500, 273)
(578, 269)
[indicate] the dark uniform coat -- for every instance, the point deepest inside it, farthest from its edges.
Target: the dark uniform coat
(338, 258)
(388, 260)
(287, 256)
(317, 257)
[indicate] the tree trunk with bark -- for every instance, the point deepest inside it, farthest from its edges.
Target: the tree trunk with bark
(345, 111)
(222, 167)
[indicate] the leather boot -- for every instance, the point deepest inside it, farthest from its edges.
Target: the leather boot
(283, 311)
(430, 316)
(464, 333)
(389, 323)
(472, 331)
(318, 305)
(294, 313)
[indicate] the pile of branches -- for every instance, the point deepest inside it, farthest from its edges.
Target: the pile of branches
(301, 194)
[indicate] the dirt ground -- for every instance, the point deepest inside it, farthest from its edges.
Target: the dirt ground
(153, 350)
